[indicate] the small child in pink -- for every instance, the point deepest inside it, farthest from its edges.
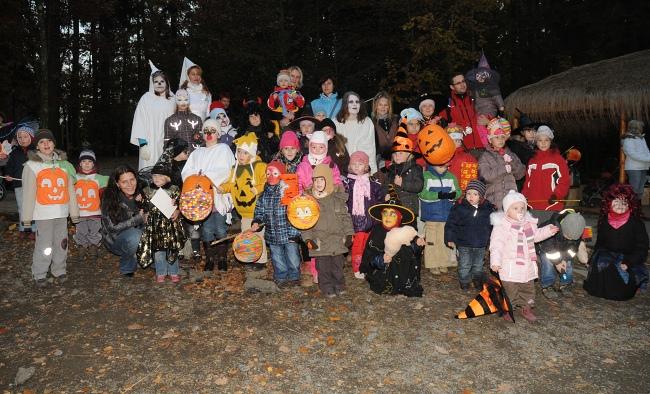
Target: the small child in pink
(512, 251)
(317, 155)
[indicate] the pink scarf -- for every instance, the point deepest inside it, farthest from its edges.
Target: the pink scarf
(360, 192)
(616, 220)
(525, 240)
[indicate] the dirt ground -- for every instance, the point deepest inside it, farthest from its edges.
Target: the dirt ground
(99, 332)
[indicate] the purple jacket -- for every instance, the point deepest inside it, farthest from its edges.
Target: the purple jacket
(365, 222)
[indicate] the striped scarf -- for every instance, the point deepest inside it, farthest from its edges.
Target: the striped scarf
(525, 238)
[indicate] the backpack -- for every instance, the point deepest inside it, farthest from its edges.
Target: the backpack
(197, 197)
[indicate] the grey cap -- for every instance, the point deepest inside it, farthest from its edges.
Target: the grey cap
(572, 226)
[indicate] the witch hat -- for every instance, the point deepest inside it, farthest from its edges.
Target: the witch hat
(491, 299)
(394, 203)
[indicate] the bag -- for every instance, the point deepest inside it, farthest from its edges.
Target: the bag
(197, 197)
(608, 283)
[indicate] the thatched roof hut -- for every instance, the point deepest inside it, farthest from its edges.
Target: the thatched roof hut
(600, 91)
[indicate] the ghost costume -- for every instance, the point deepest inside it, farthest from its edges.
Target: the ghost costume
(199, 100)
(149, 122)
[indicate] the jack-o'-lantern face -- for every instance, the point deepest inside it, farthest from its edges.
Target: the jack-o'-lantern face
(435, 144)
(303, 212)
(87, 193)
(52, 186)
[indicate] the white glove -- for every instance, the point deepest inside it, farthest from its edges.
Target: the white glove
(468, 130)
(508, 168)
(145, 152)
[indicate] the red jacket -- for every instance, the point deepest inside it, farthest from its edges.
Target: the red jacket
(464, 167)
(460, 110)
(547, 174)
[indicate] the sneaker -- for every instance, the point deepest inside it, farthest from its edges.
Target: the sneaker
(40, 282)
(566, 290)
(550, 293)
(62, 279)
(443, 270)
(527, 313)
(331, 295)
(359, 275)
(160, 278)
(175, 278)
(128, 275)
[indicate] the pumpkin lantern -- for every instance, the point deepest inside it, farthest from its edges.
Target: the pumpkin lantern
(248, 247)
(435, 144)
(303, 212)
(52, 186)
(87, 192)
(197, 197)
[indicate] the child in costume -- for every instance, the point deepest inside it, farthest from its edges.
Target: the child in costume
(498, 166)
(280, 236)
(411, 124)
(183, 123)
(317, 155)
(246, 183)
(463, 165)
(192, 81)
(391, 264)
(331, 237)
(363, 193)
(88, 189)
(512, 251)
(484, 87)
(267, 140)
(436, 199)
(48, 198)
(285, 97)
(14, 171)
(163, 238)
(468, 231)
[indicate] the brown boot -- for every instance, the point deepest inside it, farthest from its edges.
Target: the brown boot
(527, 313)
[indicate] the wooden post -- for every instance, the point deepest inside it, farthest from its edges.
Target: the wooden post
(621, 155)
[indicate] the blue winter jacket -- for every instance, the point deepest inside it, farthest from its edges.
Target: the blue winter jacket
(273, 214)
(468, 226)
(330, 105)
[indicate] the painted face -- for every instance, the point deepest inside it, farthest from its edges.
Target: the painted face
(543, 142)
(327, 87)
(182, 101)
(86, 165)
(127, 184)
(225, 101)
(24, 139)
(160, 180)
(400, 157)
(210, 135)
(317, 149)
(295, 77)
(458, 84)
(472, 196)
(223, 119)
(620, 205)
(254, 119)
(516, 211)
(413, 126)
(307, 127)
(194, 75)
(427, 109)
(529, 135)
(45, 146)
(159, 85)
(389, 217)
(272, 175)
(319, 184)
(382, 106)
(498, 141)
(358, 168)
(329, 132)
(289, 152)
(243, 157)
(353, 104)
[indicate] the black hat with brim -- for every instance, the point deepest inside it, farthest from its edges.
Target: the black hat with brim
(375, 211)
(295, 124)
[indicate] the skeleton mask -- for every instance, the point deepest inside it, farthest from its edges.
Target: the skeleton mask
(159, 85)
(182, 99)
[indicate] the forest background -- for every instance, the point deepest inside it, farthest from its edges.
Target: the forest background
(81, 65)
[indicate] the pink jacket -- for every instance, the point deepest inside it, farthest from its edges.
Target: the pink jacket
(305, 170)
(503, 249)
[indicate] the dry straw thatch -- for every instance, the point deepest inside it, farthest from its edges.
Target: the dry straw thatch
(602, 91)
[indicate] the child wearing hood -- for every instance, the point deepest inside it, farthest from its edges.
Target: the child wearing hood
(14, 170)
(331, 237)
(317, 155)
(512, 251)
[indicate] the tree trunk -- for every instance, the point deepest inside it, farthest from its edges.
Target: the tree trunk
(74, 97)
(43, 60)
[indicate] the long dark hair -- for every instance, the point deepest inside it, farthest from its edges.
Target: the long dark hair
(112, 194)
(343, 113)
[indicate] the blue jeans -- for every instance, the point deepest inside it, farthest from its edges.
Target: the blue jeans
(214, 227)
(548, 273)
(125, 246)
(470, 264)
(286, 261)
(164, 267)
(636, 179)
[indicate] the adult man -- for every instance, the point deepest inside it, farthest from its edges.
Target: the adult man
(460, 110)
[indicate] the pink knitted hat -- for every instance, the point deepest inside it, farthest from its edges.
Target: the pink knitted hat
(359, 157)
(289, 138)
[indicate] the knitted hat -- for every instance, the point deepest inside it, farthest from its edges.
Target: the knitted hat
(545, 131)
(572, 226)
(289, 138)
(87, 154)
(324, 171)
(410, 114)
(216, 111)
(494, 128)
(318, 137)
(359, 157)
(25, 129)
(635, 127)
(216, 104)
(279, 166)
(455, 131)
(247, 143)
(283, 75)
(511, 198)
(477, 185)
(505, 125)
(42, 134)
(426, 101)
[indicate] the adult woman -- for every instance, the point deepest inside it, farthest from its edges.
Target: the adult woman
(617, 266)
(296, 75)
(386, 124)
(637, 156)
(328, 104)
(122, 218)
(353, 123)
(547, 177)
